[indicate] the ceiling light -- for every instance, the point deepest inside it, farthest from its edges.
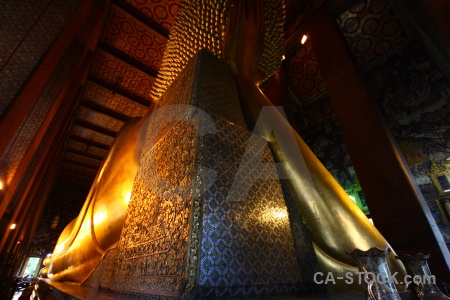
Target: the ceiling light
(304, 38)
(13, 225)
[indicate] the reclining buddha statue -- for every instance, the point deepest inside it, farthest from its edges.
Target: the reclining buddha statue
(187, 199)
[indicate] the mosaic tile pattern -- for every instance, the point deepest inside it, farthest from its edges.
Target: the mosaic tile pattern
(303, 71)
(24, 181)
(371, 30)
(161, 11)
(247, 248)
(306, 256)
(373, 261)
(183, 237)
(31, 124)
(104, 273)
(115, 102)
(27, 14)
(92, 135)
(201, 25)
(35, 24)
(117, 72)
(100, 119)
(236, 258)
(214, 82)
(153, 248)
(86, 148)
(135, 39)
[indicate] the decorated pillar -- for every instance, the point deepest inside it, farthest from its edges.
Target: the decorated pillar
(397, 207)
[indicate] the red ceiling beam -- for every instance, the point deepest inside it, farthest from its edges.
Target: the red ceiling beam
(128, 59)
(89, 142)
(95, 127)
(137, 14)
(103, 110)
(116, 89)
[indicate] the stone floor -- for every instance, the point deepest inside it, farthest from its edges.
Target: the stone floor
(75, 291)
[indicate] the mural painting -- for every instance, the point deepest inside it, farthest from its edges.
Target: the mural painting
(413, 95)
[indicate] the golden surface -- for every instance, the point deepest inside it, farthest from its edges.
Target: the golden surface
(43, 272)
(201, 25)
(334, 222)
(99, 224)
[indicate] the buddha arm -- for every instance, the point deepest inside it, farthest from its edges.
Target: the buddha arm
(334, 222)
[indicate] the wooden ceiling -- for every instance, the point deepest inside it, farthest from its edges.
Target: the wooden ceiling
(127, 61)
(129, 55)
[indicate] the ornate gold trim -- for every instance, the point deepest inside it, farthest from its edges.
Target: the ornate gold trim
(439, 174)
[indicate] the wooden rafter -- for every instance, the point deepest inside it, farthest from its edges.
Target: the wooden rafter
(80, 179)
(116, 89)
(88, 142)
(95, 127)
(80, 164)
(84, 154)
(137, 14)
(128, 59)
(103, 110)
(66, 174)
